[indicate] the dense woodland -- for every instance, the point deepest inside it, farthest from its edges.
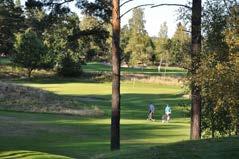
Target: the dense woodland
(46, 34)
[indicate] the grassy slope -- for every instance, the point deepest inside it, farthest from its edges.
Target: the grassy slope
(89, 137)
(224, 148)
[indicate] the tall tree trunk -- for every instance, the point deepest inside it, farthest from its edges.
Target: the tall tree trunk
(115, 118)
(195, 56)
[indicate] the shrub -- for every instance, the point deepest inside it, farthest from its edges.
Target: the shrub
(69, 67)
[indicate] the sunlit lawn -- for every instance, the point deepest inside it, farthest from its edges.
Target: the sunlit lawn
(81, 137)
(4, 61)
(149, 70)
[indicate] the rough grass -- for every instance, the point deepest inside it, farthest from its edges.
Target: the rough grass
(11, 71)
(21, 98)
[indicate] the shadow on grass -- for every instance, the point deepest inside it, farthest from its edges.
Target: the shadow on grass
(54, 79)
(85, 137)
(201, 149)
(133, 106)
(79, 137)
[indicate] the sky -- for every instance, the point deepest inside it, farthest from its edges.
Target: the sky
(154, 17)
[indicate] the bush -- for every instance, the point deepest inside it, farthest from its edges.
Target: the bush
(69, 67)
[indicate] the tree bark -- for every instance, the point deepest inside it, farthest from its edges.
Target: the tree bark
(29, 72)
(195, 57)
(115, 118)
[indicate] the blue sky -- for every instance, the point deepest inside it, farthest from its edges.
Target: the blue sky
(154, 16)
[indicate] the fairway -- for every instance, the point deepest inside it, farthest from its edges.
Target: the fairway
(88, 137)
(150, 70)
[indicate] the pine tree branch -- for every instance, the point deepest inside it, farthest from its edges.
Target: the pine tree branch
(187, 31)
(126, 2)
(171, 4)
(228, 10)
(52, 3)
(143, 5)
(235, 1)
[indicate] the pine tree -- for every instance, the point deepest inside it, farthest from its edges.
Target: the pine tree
(30, 51)
(11, 21)
(162, 52)
(139, 45)
(180, 47)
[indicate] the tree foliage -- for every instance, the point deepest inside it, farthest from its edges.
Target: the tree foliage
(99, 8)
(64, 51)
(30, 51)
(139, 46)
(219, 72)
(11, 21)
(95, 48)
(180, 54)
(60, 29)
(163, 44)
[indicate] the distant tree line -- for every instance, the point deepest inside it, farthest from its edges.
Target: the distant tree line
(138, 48)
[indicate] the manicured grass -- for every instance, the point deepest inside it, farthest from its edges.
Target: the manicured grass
(152, 70)
(88, 137)
(5, 61)
(135, 96)
(81, 137)
(32, 135)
